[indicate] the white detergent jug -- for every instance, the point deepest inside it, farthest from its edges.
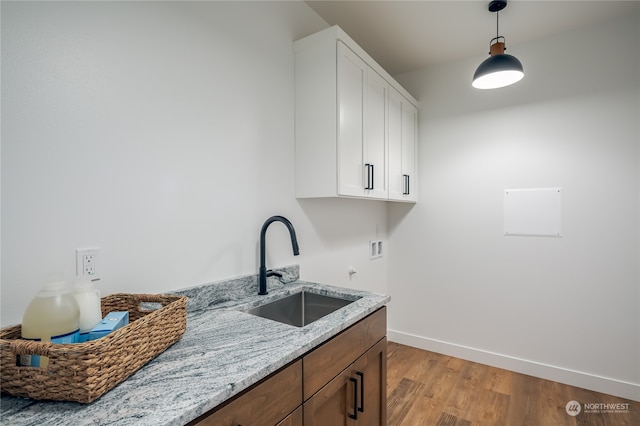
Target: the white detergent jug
(88, 299)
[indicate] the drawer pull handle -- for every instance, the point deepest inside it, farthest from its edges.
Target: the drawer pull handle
(354, 416)
(361, 407)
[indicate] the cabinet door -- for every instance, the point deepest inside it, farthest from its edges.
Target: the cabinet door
(403, 119)
(375, 142)
(333, 404)
(370, 371)
(352, 74)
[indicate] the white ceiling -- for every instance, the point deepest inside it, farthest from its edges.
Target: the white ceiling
(404, 36)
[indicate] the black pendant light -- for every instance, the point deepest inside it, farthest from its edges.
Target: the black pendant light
(499, 69)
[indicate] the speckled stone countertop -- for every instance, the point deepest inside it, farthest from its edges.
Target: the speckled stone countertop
(224, 351)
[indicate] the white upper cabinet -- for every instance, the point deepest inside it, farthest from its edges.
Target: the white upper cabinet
(355, 127)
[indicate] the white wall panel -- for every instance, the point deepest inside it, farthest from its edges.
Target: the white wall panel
(533, 212)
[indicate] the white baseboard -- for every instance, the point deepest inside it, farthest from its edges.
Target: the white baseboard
(580, 379)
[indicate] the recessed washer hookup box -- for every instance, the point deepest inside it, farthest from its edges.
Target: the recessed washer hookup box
(109, 324)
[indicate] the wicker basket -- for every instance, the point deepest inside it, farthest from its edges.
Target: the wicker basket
(83, 372)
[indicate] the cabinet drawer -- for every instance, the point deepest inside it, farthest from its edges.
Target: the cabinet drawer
(328, 360)
(266, 403)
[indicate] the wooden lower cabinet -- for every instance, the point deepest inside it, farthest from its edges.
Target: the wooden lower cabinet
(341, 382)
(357, 396)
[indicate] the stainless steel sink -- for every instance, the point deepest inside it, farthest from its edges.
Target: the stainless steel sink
(300, 309)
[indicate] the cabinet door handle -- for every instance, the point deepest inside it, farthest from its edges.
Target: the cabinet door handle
(406, 184)
(372, 180)
(361, 407)
(366, 178)
(369, 179)
(354, 416)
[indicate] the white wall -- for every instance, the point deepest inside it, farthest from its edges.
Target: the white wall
(562, 308)
(162, 133)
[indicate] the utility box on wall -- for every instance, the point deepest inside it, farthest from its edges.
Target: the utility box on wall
(533, 212)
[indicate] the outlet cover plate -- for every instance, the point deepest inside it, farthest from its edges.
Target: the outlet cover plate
(88, 262)
(375, 249)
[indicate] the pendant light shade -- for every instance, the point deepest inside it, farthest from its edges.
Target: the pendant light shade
(500, 69)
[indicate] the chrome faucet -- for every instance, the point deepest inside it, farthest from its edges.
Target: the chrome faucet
(294, 244)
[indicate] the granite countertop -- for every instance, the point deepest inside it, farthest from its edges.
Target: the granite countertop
(224, 351)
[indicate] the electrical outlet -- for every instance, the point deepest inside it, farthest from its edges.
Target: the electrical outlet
(88, 262)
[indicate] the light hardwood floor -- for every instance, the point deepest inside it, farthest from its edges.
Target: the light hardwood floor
(426, 388)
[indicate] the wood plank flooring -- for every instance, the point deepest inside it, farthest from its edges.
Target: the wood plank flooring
(426, 388)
